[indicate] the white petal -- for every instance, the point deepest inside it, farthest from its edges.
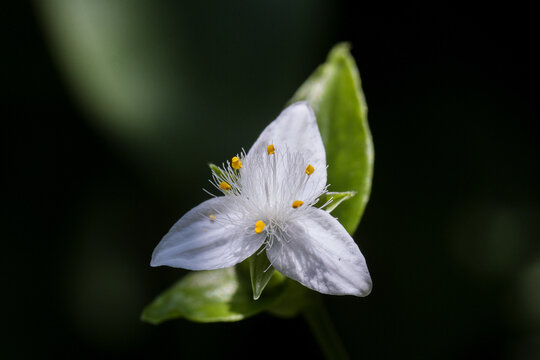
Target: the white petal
(200, 242)
(296, 130)
(320, 254)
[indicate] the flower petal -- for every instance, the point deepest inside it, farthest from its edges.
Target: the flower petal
(296, 130)
(207, 237)
(320, 254)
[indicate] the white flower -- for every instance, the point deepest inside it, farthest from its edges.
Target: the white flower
(268, 200)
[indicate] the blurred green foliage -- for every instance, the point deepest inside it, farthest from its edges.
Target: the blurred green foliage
(150, 74)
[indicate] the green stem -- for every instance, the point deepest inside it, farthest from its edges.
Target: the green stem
(324, 331)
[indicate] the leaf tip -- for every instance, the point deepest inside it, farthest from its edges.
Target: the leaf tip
(148, 319)
(340, 49)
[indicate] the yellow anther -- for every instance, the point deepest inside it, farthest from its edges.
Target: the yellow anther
(259, 226)
(310, 169)
(270, 149)
(223, 185)
(212, 217)
(236, 163)
(297, 203)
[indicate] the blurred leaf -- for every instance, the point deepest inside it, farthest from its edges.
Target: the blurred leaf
(144, 80)
(294, 299)
(335, 94)
(336, 198)
(210, 296)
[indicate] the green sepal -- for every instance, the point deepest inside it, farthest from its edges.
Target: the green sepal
(261, 272)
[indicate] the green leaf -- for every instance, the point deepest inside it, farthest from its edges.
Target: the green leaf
(211, 296)
(334, 92)
(331, 200)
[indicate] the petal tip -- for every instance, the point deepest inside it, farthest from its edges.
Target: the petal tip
(301, 106)
(365, 292)
(365, 288)
(154, 262)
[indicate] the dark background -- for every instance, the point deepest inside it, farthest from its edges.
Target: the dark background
(112, 109)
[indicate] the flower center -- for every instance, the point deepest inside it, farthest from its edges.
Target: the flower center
(267, 191)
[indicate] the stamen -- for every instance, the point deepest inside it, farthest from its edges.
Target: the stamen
(270, 149)
(259, 226)
(310, 169)
(269, 266)
(236, 163)
(297, 204)
(212, 217)
(223, 185)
